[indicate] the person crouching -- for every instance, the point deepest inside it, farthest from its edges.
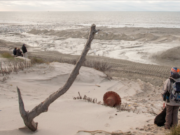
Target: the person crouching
(19, 52)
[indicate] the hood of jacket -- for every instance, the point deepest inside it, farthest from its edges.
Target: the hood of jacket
(175, 77)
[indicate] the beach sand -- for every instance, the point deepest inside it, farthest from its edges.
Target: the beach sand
(68, 116)
(138, 84)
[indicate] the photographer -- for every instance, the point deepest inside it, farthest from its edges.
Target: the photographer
(171, 94)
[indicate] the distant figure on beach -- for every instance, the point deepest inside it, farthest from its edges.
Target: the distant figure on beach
(19, 52)
(24, 51)
(15, 51)
(171, 95)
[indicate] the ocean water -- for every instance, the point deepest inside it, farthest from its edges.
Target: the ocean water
(24, 21)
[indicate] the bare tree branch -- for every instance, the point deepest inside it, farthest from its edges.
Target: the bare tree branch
(43, 107)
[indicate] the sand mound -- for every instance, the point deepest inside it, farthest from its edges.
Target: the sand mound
(60, 72)
(169, 57)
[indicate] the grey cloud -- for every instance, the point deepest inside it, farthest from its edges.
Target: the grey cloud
(89, 5)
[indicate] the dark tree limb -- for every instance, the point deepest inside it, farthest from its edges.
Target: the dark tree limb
(43, 107)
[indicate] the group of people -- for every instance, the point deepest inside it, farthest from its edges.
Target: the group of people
(18, 52)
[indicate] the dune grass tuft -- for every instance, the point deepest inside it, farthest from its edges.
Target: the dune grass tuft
(98, 65)
(6, 55)
(175, 131)
(35, 60)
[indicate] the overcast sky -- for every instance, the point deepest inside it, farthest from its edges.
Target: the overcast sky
(90, 5)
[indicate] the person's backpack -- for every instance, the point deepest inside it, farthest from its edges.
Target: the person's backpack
(175, 91)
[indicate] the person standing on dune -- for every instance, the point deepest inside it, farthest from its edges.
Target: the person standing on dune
(24, 51)
(171, 94)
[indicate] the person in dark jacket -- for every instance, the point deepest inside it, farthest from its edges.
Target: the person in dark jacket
(24, 49)
(172, 106)
(15, 51)
(19, 52)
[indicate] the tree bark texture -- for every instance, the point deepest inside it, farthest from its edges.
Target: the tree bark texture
(43, 107)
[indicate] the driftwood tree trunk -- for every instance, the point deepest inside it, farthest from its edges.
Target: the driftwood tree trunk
(43, 107)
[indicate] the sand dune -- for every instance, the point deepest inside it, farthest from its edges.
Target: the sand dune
(169, 57)
(68, 116)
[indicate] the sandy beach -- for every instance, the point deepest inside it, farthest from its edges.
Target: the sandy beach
(140, 60)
